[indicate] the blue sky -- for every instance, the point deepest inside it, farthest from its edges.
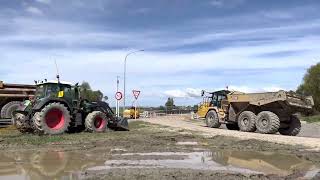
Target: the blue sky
(248, 45)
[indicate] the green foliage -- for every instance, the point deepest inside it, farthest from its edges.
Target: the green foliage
(170, 104)
(89, 94)
(311, 85)
(312, 119)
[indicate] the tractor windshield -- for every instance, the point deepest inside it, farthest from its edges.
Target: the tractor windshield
(40, 92)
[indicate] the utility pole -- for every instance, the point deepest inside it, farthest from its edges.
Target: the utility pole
(117, 105)
(124, 76)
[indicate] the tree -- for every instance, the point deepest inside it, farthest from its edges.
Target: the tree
(89, 94)
(170, 104)
(311, 85)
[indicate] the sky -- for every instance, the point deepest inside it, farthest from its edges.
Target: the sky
(247, 45)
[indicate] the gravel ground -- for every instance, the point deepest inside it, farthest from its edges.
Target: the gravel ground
(310, 132)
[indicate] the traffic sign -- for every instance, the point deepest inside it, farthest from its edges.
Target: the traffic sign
(118, 96)
(136, 93)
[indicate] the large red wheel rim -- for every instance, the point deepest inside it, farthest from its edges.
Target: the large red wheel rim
(55, 119)
(99, 122)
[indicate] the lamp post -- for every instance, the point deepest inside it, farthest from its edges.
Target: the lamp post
(124, 77)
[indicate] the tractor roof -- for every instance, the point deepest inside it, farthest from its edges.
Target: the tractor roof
(55, 82)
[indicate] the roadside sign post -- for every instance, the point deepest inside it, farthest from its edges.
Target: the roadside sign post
(118, 97)
(136, 94)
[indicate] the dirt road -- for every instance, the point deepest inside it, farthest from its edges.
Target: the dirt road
(184, 122)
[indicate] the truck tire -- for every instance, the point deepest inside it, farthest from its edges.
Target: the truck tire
(96, 121)
(247, 121)
(294, 127)
(212, 119)
(232, 127)
(267, 122)
(53, 119)
(22, 123)
(9, 108)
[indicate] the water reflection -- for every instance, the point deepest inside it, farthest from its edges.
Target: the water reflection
(71, 165)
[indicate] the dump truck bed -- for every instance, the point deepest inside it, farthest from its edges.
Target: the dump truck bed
(259, 99)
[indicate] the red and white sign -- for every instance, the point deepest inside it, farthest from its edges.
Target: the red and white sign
(118, 96)
(136, 93)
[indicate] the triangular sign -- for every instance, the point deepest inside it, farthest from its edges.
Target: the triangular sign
(136, 93)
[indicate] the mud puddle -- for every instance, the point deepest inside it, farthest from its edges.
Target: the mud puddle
(75, 165)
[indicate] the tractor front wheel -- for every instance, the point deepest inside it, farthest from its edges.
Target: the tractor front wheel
(96, 121)
(54, 118)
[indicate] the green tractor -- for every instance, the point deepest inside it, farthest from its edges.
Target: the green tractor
(57, 107)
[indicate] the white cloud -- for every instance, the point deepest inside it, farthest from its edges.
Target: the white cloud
(44, 1)
(226, 3)
(248, 89)
(186, 93)
(34, 10)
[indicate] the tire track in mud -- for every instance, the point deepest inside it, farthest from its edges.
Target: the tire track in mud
(181, 122)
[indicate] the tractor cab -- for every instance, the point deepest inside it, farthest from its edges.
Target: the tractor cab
(53, 89)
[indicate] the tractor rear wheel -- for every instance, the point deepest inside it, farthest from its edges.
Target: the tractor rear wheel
(22, 123)
(247, 121)
(53, 119)
(268, 122)
(294, 127)
(96, 121)
(212, 119)
(9, 108)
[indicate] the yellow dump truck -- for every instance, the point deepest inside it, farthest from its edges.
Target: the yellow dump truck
(131, 113)
(267, 113)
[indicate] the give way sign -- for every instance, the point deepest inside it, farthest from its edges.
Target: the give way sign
(136, 93)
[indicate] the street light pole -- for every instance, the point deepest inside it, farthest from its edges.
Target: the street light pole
(124, 77)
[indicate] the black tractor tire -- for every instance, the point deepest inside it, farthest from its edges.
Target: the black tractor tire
(267, 122)
(294, 127)
(96, 121)
(212, 119)
(53, 119)
(247, 121)
(22, 123)
(233, 127)
(9, 108)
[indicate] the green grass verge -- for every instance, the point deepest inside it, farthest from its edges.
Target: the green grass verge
(312, 119)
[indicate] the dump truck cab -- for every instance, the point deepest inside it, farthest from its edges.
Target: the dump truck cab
(213, 101)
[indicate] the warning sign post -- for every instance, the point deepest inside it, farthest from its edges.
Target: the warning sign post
(136, 94)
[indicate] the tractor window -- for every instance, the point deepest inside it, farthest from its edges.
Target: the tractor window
(40, 91)
(52, 89)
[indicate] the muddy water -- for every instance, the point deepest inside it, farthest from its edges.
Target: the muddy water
(71, 165)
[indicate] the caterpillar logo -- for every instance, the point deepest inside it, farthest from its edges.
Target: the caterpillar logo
(60, 94)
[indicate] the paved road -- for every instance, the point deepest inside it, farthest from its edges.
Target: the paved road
(182, 122)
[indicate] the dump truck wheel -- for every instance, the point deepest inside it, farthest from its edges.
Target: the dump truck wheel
(267, 122)
(294, 127)
(96, 121)
(9, 108)
(247, 121)
(212, 119)
(53, 119)
(22, 123)
(232, 126)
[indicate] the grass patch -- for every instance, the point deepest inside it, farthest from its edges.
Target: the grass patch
(139, 132)
(311, 119)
